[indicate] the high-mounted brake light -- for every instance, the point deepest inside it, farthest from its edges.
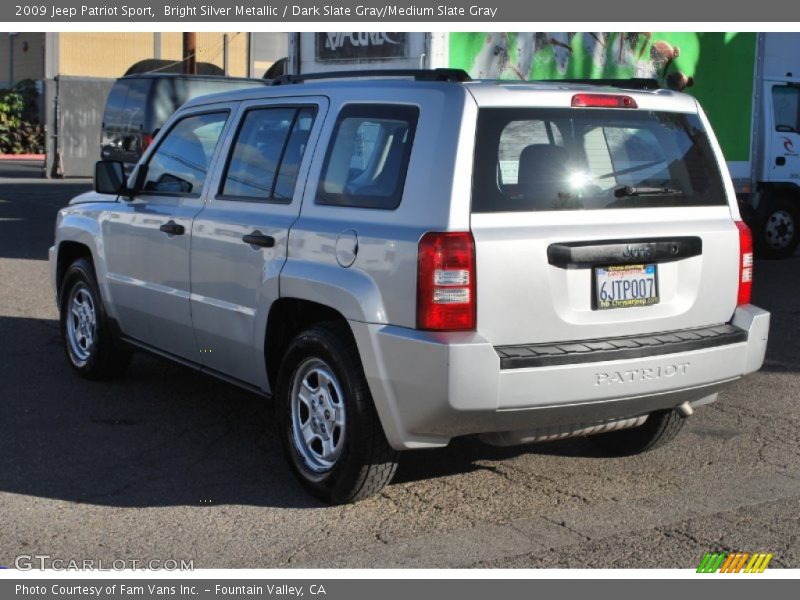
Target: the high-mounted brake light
(745, 264)
(603, 101)
(446, 282)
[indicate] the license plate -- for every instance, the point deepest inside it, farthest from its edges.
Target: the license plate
(625, 286)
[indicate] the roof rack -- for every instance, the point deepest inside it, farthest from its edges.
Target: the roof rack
(452, 75)
(634, 83)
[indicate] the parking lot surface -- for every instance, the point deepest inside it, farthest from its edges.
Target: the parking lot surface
(170, 464)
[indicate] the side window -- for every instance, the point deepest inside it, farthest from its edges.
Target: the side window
(266, 156)
(367, 159)
(786, 101)
(180, 163)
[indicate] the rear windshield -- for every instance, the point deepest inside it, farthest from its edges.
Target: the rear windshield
(567, 159)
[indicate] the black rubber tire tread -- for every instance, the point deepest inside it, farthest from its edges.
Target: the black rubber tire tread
(762, 248)
(659, 429)
(367, 463)
(110, 356)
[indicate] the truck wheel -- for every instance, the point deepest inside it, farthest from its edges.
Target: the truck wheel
(778, 232)
(93, 348)
(660, 428)
(331, 434)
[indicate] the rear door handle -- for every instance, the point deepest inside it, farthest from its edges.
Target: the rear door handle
(259, 239)
(172, 228)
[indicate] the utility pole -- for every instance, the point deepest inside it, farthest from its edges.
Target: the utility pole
(190, 53)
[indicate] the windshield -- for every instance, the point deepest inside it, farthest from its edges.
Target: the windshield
(573, 159)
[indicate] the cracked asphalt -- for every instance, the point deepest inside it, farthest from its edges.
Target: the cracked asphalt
(169, 464)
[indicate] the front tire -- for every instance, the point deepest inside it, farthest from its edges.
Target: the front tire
(659, 429)
(92, 346)
(331, 434)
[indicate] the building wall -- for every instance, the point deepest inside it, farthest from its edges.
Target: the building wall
(79, 51)
(28, 64)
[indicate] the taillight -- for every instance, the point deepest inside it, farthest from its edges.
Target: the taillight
(147, 139)
(745, 264)
(446, 282)
(603, 101)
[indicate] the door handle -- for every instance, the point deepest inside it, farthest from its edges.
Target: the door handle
(172, 228)
(259, 239)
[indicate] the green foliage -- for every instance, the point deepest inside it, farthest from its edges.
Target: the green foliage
(20, 130)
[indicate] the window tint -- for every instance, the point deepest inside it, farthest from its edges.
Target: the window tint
(566, 159)
(115, 104)
(136, 104)
(368, 156)
(180, 163)
(786, 100)
(267, 154)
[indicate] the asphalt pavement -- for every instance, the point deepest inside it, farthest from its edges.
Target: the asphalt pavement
(170, 464)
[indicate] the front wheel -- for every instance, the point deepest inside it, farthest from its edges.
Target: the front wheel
(92, 346)
(331, 434)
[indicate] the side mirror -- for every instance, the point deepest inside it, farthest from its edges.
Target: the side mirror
(109, 177)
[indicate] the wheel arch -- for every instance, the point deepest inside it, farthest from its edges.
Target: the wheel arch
(287, 317)
(67, 253)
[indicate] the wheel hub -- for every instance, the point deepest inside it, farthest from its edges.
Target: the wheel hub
(780, 229)
(318, 417)
(81, 323)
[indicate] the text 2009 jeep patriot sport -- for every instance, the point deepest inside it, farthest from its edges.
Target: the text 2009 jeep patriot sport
(398, 260)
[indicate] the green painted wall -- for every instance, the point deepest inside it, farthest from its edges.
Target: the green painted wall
(721, 65)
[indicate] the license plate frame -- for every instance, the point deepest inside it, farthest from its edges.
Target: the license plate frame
(600, 274)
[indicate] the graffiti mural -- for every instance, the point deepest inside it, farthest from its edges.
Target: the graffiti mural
(545, 55)
(717, 68)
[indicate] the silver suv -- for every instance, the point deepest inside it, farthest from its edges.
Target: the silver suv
(400, 259)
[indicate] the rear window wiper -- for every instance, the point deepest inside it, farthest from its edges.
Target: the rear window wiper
(628, 190)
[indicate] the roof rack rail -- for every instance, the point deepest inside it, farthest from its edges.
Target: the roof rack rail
(634, 83)
(452, 75)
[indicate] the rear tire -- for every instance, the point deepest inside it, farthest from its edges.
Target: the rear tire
(778, 231)
(659, 429)
(92, 345)
(331, 434)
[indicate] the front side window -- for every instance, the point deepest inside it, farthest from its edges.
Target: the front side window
(786, 102)
(368, 156)
(181, 161)
(266, 156)
(579, 159)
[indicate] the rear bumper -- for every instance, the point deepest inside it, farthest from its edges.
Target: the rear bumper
(431, 387)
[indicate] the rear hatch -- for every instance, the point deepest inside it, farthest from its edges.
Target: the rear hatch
(596, 222)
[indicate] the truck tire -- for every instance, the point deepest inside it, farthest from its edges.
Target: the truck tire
(331, 434)
(92, 345)
(660, 428)
(778, 229)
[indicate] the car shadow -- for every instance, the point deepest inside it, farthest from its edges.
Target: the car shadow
(163, 434)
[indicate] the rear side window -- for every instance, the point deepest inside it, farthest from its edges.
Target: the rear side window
(367, 159)
(266, 156)
(115, 104)
(566, 159)
(180, 163)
